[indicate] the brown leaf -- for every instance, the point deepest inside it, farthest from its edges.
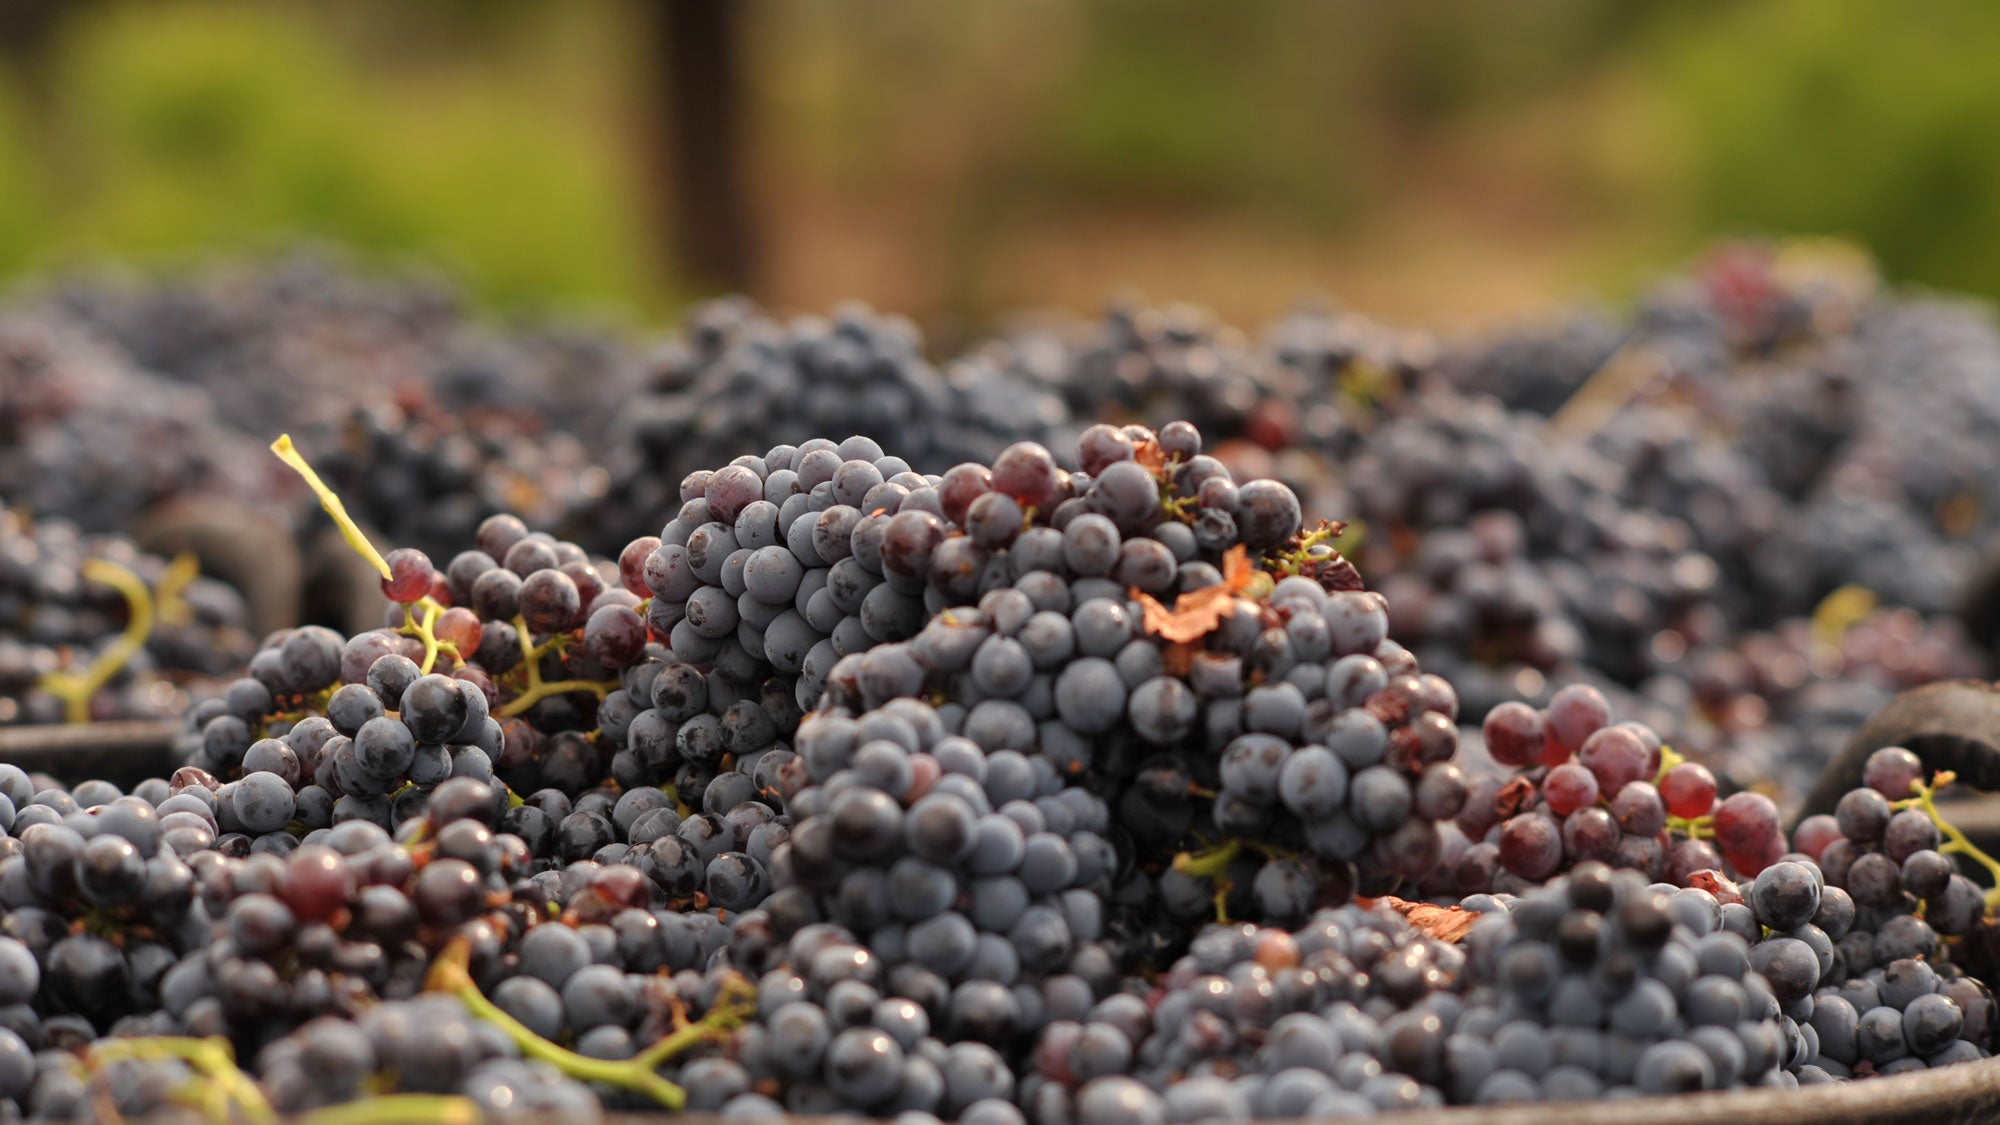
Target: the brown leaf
(1717, 884)
(1147, 453)
(1196, 614)
(1445, 923)
(1178, 660)
(1517, 794)
(1237, 573)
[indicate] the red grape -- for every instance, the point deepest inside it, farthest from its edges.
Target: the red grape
(1690, 856)
(1891, 771)
(615, 636)
(1574, 714)
(316, 883)
(960, 486)
(1689, 790)
(1746, 832)
(1638, 809)
(1026, 472)
(1102, 445)
(632, 564)
(460, 628)
(1615, 757)
(1569, 787)
(410, 575)
(1590, 834)
(731, 489)
(1814, 833)
(1515, 733)
(1531, 846)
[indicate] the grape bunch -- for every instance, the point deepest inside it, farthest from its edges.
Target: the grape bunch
(1257, 1022)
(470, 462)
(93, 627)
(736, 376)
(1589, 789)
(1600, 981)
(86, 437)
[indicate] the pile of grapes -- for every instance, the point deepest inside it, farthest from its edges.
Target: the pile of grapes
(1091, 786)
(1748, 510)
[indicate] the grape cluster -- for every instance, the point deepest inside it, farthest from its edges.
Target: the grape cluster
(86, 437)
(57, 620)
(1601, 983)
(1259, 1023)
(1590, 789)
(737, 376)
(471, 463)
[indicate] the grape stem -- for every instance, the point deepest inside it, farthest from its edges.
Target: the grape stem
(1212, 864)
(639, 1073)
(1693, 827)
(1669, 758)
(349, 530)
(75, 689)
(171, 607)
(536, 690)
(426, 631)
(1292, 559)
(1956, 842)
(227, 1088)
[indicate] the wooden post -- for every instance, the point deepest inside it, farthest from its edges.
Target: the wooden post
(696, 48)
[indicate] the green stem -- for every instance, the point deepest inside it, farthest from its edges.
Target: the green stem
(737, 1004)
(173, 608)
(426, 631)
(349, 530)
(213, 1057)
(534, 691)
(449, 974)
(1668, 760)
(75, 690)
(538, 692)
(1956, 842)
(1213, 865)
(1694, 828)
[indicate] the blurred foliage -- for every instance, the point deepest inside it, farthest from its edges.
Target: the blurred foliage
(918, 144)
(182, 128)
(1846, 116)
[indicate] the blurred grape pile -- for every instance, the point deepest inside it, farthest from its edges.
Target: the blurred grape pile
(1750, 507)
(1033, 751)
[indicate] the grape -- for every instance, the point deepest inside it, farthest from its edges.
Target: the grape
(1515, 734)
(410, 575)
(1575, 714)
(1569, 787)
(1891, 771)
(1530, 846)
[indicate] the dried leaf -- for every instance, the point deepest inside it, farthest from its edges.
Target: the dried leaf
(1237, 573)
(1717, 884)
(1445, 923)
(1178, 660)
(1196, 614)
(1517, 794)
(1193, 617)
(1147, 453)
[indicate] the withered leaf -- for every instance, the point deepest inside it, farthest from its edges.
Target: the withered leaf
(1716, 883)
(1149, 456)
(1445, 923)
(1196, 614)
(1517, 794)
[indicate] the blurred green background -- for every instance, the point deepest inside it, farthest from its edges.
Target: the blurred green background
(1449, 162)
